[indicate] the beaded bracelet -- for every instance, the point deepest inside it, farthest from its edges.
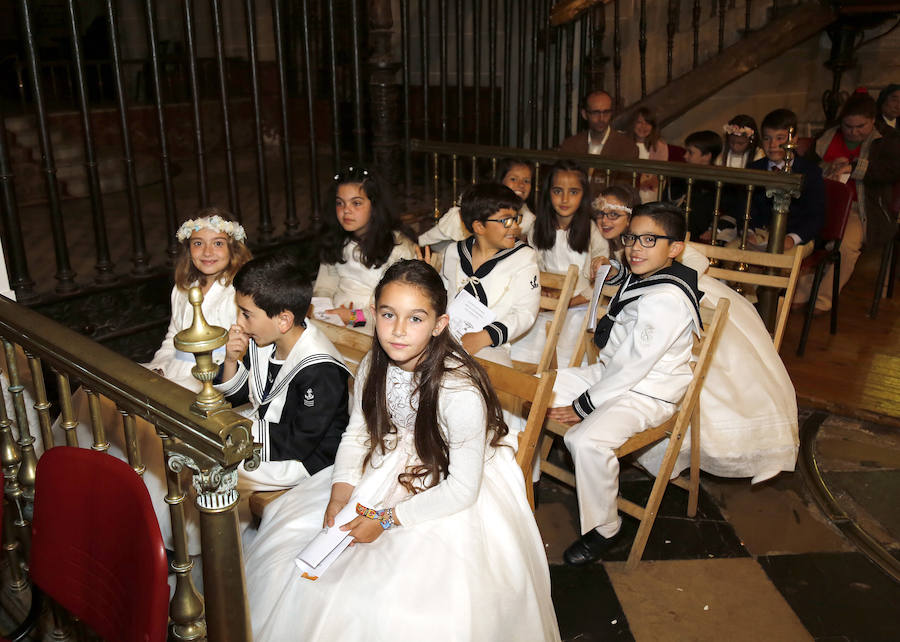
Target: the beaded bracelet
(385, 516)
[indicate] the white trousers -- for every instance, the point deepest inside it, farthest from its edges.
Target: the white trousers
(593, 441)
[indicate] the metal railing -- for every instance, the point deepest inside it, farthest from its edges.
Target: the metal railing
(198, 433)
(453, 163)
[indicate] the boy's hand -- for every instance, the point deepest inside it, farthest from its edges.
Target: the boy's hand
(237, 344)
(473, 342)
(597, 261)
(565, 415)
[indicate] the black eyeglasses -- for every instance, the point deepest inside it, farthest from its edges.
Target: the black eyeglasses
(612, 216)
(507, 221)
(647, 240)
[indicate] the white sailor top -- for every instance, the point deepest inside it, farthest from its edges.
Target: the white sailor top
(558, 258)
(646, 339)
(351, 282)
(507, 283)
(302, 413)
(450, 227)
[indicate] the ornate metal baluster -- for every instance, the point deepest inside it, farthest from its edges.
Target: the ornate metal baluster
(695, 25)
(687, 202)
(193, 81)
(64, 276)
(423, 40)
(234, 203)
(67, 419)
(436, 186)
(476, 74)
(384, 94)
(642, 47)
(15, 523)
(315, 202)
(98, 430)
(547, 102)
(291, 224)
(519, 140)
(265, 230)
(25, 441)
(570, 73)
(537, 181)
(454, 179)
(474, 169)
(358, 131)
(745, 228)
(407, 119)
(444, 39)
(19, 279)
(460, 69)
(596, 73)
(617, 55)
(671, 30)
(715, 222)
(492, 83)
(132, 450)
(335, 99)
(41, 404)
(533, 94)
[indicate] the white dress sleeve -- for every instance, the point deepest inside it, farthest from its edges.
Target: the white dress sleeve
(448, 228)
(326, 281)
(166, 353)
(462, 417)
(348, 463)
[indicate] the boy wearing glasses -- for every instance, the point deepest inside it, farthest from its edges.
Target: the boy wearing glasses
(495, 267)
(642, 373)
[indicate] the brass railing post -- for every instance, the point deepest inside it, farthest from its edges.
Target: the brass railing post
(768, 297)
(15, 525)
(28, 464)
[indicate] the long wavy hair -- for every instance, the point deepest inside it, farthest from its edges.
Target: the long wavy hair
(186, 274)
(579, 236)
(443, 357)
(650, 118)
(376, 245)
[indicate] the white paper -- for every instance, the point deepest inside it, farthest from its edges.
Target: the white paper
(844, 177)
(599, 281)
(322, 303)
(468, 314)
(325, 547)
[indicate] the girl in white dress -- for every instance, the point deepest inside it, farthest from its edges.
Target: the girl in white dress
(210, 252)
(357, 244)
(563, 235)
(445, 546)
(741, 143)
(517, 175)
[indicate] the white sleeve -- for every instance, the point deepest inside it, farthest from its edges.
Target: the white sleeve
(661, 319)
(517, 307)
(326, 281)
(528, 220)
(462, 416)
(348, 463)
(448, 228)
(694, 259)
(166, 353)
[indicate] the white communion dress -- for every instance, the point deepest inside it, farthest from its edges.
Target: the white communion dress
(467, 563)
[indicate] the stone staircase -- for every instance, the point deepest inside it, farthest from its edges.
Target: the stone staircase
(69, 158)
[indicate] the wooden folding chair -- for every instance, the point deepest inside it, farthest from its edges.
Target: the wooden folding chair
(674, 429)
(788, 264)
(520, 392)
(565, 285)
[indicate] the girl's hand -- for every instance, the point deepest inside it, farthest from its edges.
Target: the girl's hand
(425, 255)
(363, 530)
(237, 344)
(340, 495)
(565, 415)
(473, 342)
(346, 312)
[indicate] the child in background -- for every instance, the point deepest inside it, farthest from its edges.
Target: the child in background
(211, 250)
(612, 212)
(651, 146)
(516, 175)
(643, 370)
(563, 235)
(701, 148)
(807, 212)
(445, 537)
(496, 268)
(289, 371)
(358, 243)
(741, 143)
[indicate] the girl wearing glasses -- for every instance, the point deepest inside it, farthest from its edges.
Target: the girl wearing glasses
(563, 235)
(359, 241)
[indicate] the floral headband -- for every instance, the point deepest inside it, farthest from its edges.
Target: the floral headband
(602, 204)
(737, 130)
(216, 223)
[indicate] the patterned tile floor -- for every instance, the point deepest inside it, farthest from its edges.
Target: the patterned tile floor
(760, 563)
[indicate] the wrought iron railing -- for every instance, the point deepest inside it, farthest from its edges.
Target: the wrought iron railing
(198, 433)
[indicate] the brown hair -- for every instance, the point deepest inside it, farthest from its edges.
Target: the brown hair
(443, 357)
(185, 272)
(648, 116)
(858, 104)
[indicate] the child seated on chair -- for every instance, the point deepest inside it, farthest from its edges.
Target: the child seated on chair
(496, 268)
(643, 370)
(288, 370)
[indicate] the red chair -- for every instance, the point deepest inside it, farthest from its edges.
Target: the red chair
(676, 153)
(96, 547)
(888, 269)
(838, 199)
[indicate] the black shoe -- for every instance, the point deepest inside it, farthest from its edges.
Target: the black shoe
(590, 547)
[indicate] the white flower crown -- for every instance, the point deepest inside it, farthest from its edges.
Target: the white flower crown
(216, 223)
(735, 130)
(601, 204)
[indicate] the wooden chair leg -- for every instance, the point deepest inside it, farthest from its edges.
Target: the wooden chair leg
(885, 271)
(835, 293)
(694, 489)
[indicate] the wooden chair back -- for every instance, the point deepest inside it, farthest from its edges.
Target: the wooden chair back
(564, 285)
(787, 266)
(586, 347)
(351, 344)
(674, 429)
(526, 396)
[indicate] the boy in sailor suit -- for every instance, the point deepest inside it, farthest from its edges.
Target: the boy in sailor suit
(642, 372)
(291, 373)
(495, 267)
